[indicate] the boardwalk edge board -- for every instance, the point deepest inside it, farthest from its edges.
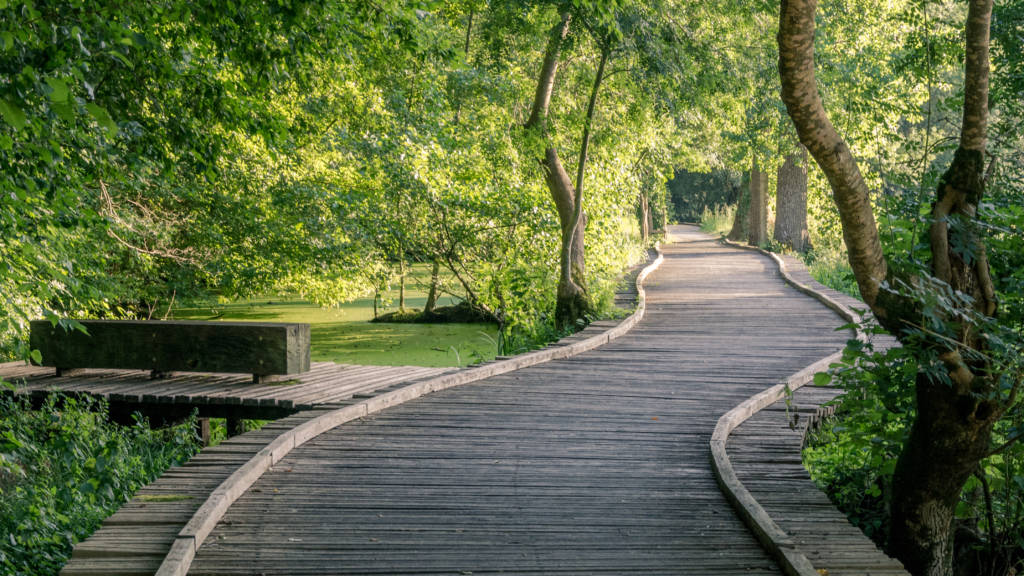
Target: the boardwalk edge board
(191, 537)
(767, 531)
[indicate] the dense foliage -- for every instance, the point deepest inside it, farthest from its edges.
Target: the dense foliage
(64, 468)
(157, 152)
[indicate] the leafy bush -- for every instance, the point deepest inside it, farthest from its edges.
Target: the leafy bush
(64, 468)
(852, 458)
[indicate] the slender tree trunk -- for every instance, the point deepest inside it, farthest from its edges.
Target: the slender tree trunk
(401, 284)
(645, 218)
(435, 272)
(741, 220)
(954, 426)
(572, 301)
(465, 51)
(758, 227)
(791, 202)
(955, 414)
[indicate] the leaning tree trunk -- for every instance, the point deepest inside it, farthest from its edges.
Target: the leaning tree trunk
(955, 413)
(741, 220)
(572, 301)
(791, 202)
(758, 227)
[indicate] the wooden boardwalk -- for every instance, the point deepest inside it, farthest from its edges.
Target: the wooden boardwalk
(593, 464)
(215, 395)
(765, 452)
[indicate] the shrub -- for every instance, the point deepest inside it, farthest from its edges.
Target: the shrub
(64, 468)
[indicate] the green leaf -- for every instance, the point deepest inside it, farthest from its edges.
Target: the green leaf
(102, 117)
(58, 89)
(12, 115)
(822, 379)
(37, 356)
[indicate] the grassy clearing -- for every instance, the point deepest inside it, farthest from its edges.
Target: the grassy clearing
(345, 334)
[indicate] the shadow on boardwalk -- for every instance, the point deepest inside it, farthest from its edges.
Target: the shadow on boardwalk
(597, 463)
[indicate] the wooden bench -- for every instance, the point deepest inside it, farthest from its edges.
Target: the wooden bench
(264, 349)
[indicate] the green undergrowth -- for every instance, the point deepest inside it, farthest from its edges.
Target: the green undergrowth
(717, 220)
(852, 458)
(832, 269)
(64, 468)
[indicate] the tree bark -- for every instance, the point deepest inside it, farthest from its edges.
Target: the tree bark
(955, 415)
(800, 94)
(791, 202)
(758, 227)
(645, 218)
(741, 220)
(401, 284)
(431, 302)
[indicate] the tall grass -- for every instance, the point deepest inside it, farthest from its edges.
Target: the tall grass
(832, 269)
(717, 220)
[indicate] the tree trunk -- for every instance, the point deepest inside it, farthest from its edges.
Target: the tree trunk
(818, 135)
(955, 414)
(758, 227)
(791, 202)
(431, 303)
(741, 220)
(949, 437)
(645, 218)
(401, 284)
(572, 300)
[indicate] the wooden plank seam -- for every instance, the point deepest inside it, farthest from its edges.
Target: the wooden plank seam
(191, 537)
(772, 537)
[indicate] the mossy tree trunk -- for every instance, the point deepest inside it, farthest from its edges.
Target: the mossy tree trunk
(951, 433)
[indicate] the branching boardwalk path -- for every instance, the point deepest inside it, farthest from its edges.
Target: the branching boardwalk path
(593, 464)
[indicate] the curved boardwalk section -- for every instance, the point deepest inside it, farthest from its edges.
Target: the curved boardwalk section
(593, 464)
(766, 454)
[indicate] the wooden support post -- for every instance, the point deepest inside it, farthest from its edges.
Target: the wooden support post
(235, 426)
(203, 431)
